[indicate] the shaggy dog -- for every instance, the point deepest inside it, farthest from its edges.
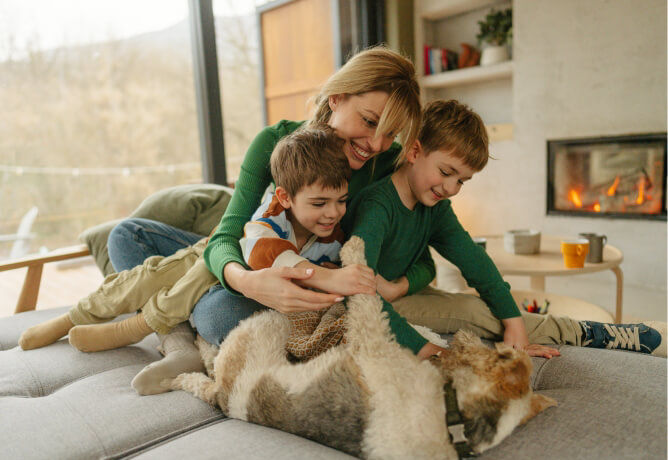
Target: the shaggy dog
(368, 397)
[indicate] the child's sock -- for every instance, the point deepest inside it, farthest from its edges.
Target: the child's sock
(648, 337)
(46, 333)
(99, 337)
(181, 355)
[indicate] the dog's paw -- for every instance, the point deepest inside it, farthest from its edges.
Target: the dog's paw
(176, 383)
(352, 252)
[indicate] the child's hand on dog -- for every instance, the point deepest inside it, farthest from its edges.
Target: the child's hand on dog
(541, 351)
(391, 290)
(516, 336)
(430, 350)
(354, 279)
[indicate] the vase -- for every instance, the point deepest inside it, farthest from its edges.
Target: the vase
(494, 54)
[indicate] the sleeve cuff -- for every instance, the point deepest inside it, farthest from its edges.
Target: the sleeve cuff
(219, 274)
(287, 259)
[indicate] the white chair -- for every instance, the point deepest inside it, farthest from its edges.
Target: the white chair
(22, 236)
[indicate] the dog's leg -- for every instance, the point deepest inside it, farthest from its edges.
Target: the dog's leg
(208, 353)
(366, 326)
(197, 384)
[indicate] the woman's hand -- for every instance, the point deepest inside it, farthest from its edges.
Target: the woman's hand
(515, 335)
(274, 287)
(392, 290)
(350, 280)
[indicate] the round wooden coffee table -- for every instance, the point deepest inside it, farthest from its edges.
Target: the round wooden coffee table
(550, 262)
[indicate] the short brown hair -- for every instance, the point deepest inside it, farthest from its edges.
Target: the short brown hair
(310, 154)
(455, 128)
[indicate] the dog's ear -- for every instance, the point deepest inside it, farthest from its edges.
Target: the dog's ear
(538, 404)
(512, 376)
(505, 351)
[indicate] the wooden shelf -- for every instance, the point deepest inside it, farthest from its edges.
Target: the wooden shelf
(468, 75)
(438, 9)
(445, 23)
(500, 132)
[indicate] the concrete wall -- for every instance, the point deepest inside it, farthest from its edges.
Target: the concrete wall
(582, 68)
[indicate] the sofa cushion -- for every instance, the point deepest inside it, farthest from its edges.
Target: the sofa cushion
(230, 438)
(96, 416)
(612, 404)
(195, 208)
(44, 371)
(56, 402)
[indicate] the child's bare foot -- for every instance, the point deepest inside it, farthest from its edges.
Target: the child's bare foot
(46, 333)
(100, 337)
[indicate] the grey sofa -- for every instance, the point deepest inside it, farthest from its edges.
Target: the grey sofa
(59, 403)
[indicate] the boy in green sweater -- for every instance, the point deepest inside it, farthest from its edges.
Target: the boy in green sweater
(399, 216)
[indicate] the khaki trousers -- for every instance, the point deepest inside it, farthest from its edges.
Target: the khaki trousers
(446, 313)
(165, 289)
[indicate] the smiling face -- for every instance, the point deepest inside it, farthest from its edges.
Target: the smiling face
(314, 209)
(435, 176)
(355, 118)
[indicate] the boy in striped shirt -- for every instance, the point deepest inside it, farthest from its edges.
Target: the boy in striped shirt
(298, 224)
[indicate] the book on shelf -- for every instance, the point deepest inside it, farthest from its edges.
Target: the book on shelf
(437, 60)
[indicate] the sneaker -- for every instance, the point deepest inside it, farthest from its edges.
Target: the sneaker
(646, 337)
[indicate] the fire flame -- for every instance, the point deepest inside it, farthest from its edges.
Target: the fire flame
(575, 198)
(613, 187)
(625, 197)
(641, 191)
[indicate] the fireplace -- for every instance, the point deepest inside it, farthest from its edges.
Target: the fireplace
(620, 177)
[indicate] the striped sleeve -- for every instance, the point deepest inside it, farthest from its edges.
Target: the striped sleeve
(261, 245)
(266, 238)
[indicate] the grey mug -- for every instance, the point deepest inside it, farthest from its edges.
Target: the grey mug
(596, 244)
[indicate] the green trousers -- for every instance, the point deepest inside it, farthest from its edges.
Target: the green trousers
(446, 313)
(165, 289)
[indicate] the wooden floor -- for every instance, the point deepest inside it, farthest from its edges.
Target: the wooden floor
(63, 284)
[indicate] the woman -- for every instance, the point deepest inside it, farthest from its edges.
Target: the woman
(369, 101)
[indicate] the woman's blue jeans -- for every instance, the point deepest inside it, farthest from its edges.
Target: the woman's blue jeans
(217, 312)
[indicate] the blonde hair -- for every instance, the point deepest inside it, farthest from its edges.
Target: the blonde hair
(378, 69)
(455, 128)
(312, 153)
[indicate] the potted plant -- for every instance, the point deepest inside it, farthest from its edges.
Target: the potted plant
(496, 31)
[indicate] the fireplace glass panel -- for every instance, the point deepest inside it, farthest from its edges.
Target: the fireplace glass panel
(613, 177)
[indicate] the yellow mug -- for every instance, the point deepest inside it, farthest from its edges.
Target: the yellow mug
(575, 251)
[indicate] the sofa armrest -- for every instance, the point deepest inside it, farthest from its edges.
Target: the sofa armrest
(28, 297)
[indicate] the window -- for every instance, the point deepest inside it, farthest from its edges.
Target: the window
(98, 112)
(239, 66)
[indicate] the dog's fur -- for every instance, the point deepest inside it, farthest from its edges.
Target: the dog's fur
(370, 397)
